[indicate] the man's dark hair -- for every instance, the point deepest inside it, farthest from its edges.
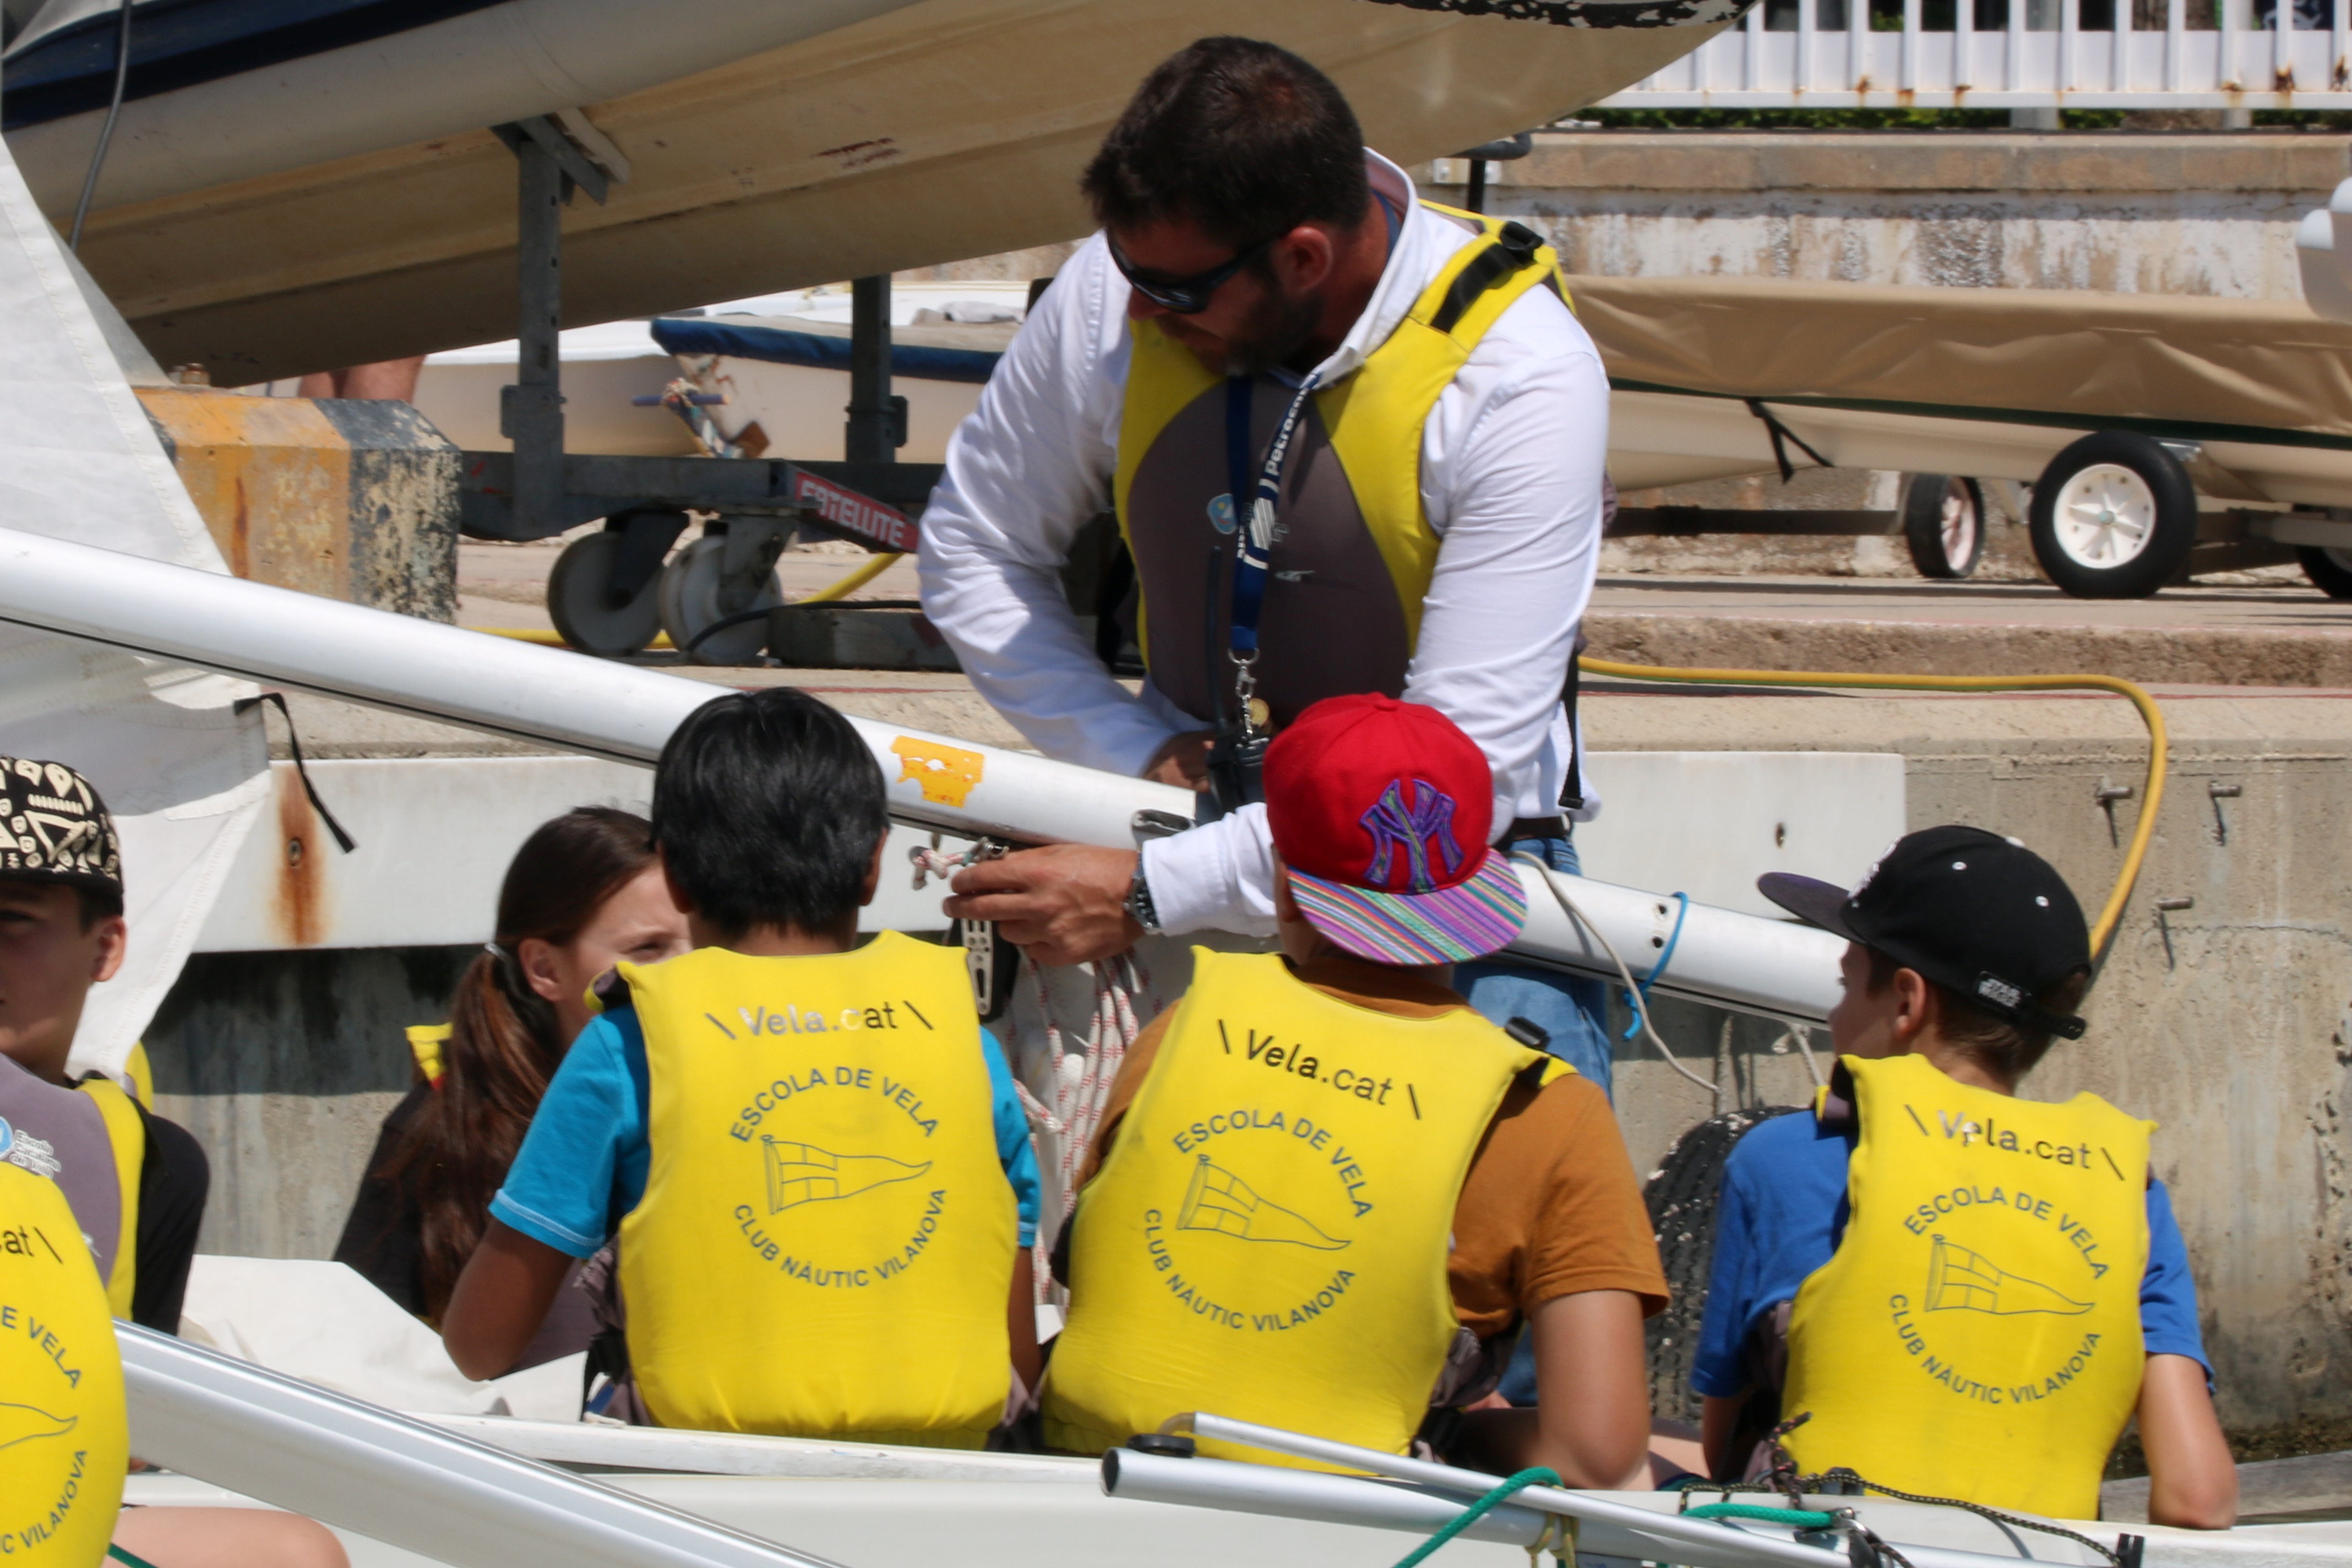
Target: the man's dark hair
(767, 808)
(98, 903)
(2008, 1049)
(1243, 139)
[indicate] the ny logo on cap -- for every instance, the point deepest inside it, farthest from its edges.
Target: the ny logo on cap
(1395, 825)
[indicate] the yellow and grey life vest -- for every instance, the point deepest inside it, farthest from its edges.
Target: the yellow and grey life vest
(1355, 553)
(1976, 1333)
(1267, 1239)
(89, 1139)
(63, 1438)
(825, 1244)
(429, 1045)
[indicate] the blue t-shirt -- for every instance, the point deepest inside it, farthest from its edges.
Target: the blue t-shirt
(1781, 1214)
(582, 1164)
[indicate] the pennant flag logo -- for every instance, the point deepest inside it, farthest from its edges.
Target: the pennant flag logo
(804, 1174)
(1966, 1281)
(1220, 1201)
(23, 1423)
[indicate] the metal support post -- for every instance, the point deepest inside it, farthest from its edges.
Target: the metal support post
(877, 421)
(548, 167)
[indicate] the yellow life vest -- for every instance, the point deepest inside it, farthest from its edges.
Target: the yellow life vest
(825, 1244)
(127, 1136)
(1977, 1334)
(427, 1042)
(1267, 1239)
(138, 1074)
(63, 1439)
(1171, 438)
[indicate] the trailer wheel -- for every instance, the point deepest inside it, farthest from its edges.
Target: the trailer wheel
(1943, 523)
(580, 602)
(2330, 571)
(2113, 517)
(698, 593)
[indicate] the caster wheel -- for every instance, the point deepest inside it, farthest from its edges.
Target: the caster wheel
(696, 594)
(580, 601)
(2330, 569)
(2115, 517)
(1943, 524)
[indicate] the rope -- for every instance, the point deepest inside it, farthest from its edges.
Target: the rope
(1638, 1001)
(1784, 1478)
(1536, 1476)
(122, 1556)
(1641, 1015)
(1802, 1518)
(2103, 930)
(1075, 1116)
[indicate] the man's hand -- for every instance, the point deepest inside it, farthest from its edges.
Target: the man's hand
(1183, 760)
(1065, 903)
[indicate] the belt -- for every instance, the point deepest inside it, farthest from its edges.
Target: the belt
(1535, 827)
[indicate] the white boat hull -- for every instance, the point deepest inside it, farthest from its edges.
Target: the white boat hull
(938, 131)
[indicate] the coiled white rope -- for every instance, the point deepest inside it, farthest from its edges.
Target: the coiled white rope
(1081, 1082)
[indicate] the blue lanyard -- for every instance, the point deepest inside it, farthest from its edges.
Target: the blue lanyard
(1255, 528)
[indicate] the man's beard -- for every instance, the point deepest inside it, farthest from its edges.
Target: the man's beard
(1276, 330)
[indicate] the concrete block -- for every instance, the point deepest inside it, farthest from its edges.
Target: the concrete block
(346, 498)
(834, 636)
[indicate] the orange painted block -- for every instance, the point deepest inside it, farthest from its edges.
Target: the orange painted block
(345, 498)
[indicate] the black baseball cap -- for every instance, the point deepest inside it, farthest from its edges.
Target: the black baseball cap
(1980, 915)
(54, 828)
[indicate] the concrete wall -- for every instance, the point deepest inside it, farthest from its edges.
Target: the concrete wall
(283, 1065)
(2172, 213)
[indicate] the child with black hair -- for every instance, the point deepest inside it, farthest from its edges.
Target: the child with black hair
(811, 1151)
(1929, 1280)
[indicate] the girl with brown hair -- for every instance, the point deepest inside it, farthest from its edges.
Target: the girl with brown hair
(585, 891)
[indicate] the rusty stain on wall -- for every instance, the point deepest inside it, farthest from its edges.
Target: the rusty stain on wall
(298, 904)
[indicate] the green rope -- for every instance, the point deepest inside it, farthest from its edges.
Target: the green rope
(1802, 1518)
(122, 1556)
(1537, 1476)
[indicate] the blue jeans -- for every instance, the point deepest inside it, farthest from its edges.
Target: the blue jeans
(1573, 1009)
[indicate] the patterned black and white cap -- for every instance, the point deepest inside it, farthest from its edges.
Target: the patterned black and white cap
(54, 828)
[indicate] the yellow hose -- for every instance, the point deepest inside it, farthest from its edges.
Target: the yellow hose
(848, 583)
(851, 582)
(2103, 928)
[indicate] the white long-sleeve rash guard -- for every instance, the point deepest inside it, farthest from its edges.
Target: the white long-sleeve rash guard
(1511, 472)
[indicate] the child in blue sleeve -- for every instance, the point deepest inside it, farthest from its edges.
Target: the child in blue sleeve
(811, 1151)
(1928, 1281)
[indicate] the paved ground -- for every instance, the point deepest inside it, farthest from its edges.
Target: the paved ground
(2280, 607)
(2280, 634)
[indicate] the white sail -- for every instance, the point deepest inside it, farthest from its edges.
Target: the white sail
(184, 774)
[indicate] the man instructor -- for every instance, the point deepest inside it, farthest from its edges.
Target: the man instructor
(1354, 444)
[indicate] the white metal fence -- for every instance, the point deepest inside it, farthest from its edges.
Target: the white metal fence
(2014, 54)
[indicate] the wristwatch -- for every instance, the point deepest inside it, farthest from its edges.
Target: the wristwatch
(1139, 902)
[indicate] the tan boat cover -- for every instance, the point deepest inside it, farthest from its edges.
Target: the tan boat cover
(2261, 363)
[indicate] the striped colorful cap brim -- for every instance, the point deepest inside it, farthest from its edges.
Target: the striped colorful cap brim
(1482, 914)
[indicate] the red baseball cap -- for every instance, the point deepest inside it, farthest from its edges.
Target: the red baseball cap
(1381, 811)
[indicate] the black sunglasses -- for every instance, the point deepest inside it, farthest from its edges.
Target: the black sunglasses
(1186, 296)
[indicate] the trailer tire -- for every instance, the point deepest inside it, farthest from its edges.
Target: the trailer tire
(581, 603)
(2113, 517)
(1943, 524)
(2330, 571)
(1681, 1196)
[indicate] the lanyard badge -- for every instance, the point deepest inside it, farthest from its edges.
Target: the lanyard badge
(1254, 539)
